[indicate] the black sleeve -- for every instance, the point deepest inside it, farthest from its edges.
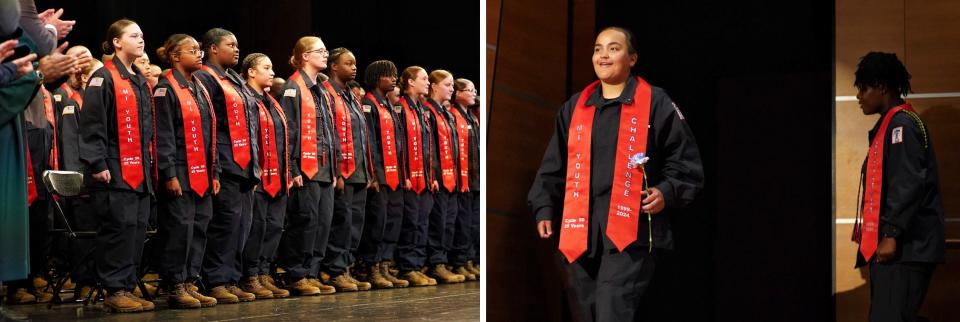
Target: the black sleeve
(166, 105)
(291, 108)
(682, 170)
(546, 194)
(93, 121)
(904, 173)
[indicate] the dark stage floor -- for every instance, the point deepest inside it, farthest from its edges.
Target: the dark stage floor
(456, 302)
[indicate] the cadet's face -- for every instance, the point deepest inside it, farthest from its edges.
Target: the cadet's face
(421, 83)
(189, 55)
(346, 67)
(228, 52)
(130, 41)
(317, 56)
(611, 59)
(394, 96)
(444, 88)
(262, 73)
(467, 96)
(387, 83)
(870, 99)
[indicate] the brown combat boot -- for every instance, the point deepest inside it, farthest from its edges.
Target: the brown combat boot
(252, 285)
(21, 296)
(385, 272)
(343, 284)
(205, 301)
(324, 289)
(462, 270)
(122, 302)
(302, 288)
(375, 277)
(362, 286)
(39, 282)
(150, 289)
(415, 278)
(430, 280)
(278, 293)
(473, 269)
(392, 268)
(440, 272)
(223, 295)
(241, 295)
(146, 305)
(179, 299)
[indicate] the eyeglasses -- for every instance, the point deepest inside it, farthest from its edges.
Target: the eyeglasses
(195, 52)
(322, 51)
(474, 91)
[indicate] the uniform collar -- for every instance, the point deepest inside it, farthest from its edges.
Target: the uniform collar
(181, 79)
(307, 81)
(626, 97)
(123, 71)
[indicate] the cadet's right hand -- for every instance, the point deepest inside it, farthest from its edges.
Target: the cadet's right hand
(297, 182)
(173, 187)
(339, 184)
(102, 176)
(545, 228)
(408, 184)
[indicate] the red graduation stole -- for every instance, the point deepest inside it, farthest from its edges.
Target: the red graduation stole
(74, 95)
(193, 137)
(463, 138)
(31, 181)
(390, 170)
(447, 168)
(625, 196)
(308, 130)
(348, 164)
(236, 120)
(866, 231)
(48, 112)
(128, 128)
(268, 154)
(414, 140)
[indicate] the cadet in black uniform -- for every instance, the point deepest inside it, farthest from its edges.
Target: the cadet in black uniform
(384, 209)
(611, 278)
(118, 163)
(188, 168)
(313, 157)
(355, 174)
(417, 199)
(237, 126)
(270, 197)
(466, 238)
(443, 165)
(900, 222)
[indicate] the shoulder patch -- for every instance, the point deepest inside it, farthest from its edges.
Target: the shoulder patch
(67, 110)
(397, 108)
(366, 108)
(290, 92)
(57, 97)
(96, 81)
(160, 92)
(897, 135)
(675, 108)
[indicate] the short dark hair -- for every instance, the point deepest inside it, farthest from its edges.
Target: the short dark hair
(212, 37)
(377, 69)
(631, 40)
(878, 69)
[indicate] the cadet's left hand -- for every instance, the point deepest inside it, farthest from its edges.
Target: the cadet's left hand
(216, 187)
(653, 201)
(435, 186)
(887, 249)
(374, 185)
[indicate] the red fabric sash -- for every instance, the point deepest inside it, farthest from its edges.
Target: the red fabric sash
(236, 120)
(308, 130)
(128, 128)
(463, 138)
(447, 167)
(31, 181)
(414, 144)
(49, 113)
(390, 170)
(268, 154)
(193, 137)
(625, 196)
(74, 95)
(343, 123)
(866, 232)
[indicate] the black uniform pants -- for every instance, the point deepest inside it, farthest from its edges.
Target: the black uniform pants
(381, 225)
(183, 225)
(123, 219)
(265, 231)
(462, 247)
(345, 228)
(897, 290)
(300, 230)
(609, 286)
(443, 215)
(412, 246)
(227, 232)
(475, 226)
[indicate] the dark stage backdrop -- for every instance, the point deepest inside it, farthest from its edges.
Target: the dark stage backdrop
(755, 82)
(406, 32)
